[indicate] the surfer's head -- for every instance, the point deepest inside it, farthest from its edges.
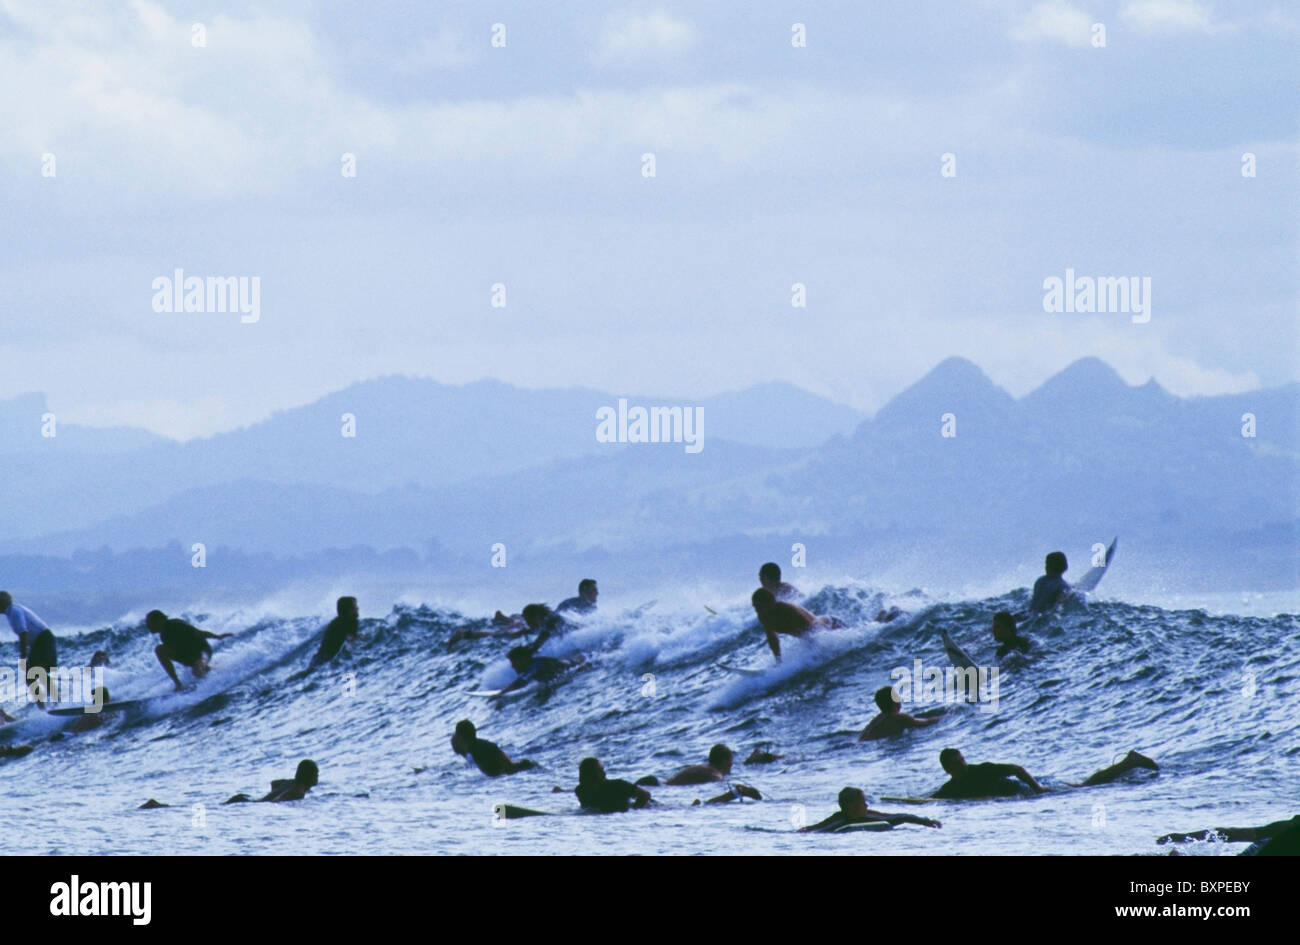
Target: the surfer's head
(1055, 563)
(587, 589)
(769, 575)
(1004, 626)
(465, 732)
(347, 607)
(519, 658)
(952, 761)
(5, 600)
(307, 773)
(591, 771)
(99, 659)
(535, 614)
(853, 803)
(887, 700)
(720, 758)
(155, 620)
(763, 600)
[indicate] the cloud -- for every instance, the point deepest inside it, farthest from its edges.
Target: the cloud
(446, 50)
(1167, 16)
(1055, 22)
(630, 39)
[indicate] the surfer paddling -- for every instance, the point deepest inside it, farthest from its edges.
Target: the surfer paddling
(1004, 632)
(891, 720)
(974, 782)
(584, 603)
(181, 643)
(780, 617)
(490, 759)
(288, 789)
(769, 578)
(854, 810)
(597, 792)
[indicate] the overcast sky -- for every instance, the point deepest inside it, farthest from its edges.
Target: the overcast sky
(522, 165)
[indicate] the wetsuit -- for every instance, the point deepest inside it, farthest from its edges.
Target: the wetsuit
(491, 760)
(579, 605)
(187, 644)
(553, 625)
(1049, 590)
(982, 780)
(336, 634)
(608, 797)
(1017, 644)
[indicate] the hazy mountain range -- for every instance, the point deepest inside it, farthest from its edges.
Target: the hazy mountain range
(446, 472)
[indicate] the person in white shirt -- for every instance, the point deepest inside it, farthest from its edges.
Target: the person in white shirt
(36, 641)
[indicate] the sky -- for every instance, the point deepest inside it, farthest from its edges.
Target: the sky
(522, 164)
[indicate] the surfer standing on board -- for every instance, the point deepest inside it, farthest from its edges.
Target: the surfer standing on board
(780, 617)
(182, 643)
(36, 643)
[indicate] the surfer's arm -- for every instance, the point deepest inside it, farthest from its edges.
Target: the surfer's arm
(214, 636)
(1015, 771)
(895, 819)
(774, 643)
(911, 721)
(737, 792)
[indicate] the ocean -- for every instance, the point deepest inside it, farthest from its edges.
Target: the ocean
(1210, 694)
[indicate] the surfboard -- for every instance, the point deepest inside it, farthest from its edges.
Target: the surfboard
(955, 653)
(82, 709)
(504, 695)
(872, 826)
(741, 670)
(1094, 576)
(911, 800)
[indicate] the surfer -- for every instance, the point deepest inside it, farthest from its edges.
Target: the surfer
(288, 789)
(971, 782)
(597, 792)
(181, 643)
(99, 658)
(891, 720)
(769, 578)
(500, 626)
(1050, 589)
(36, 643)
(1004, 632)
(544, 622)
(781, 617)
(1280, 838)
(490, 759)
(854, 810)
(585, 602)
(715, 769)
(341, 629)
(531, 668)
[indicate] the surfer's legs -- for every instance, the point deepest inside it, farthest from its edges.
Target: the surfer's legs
(200, 667)
(165, 657)
(1130, 761)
